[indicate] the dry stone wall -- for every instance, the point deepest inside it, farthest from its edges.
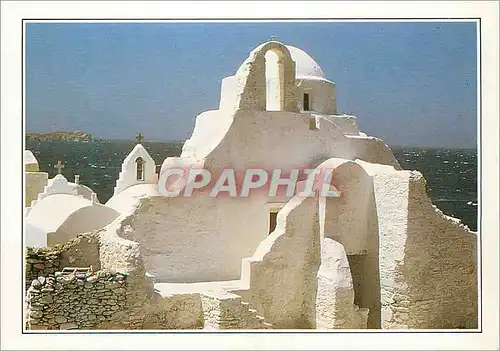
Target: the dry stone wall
(82, 251)
(106, 300)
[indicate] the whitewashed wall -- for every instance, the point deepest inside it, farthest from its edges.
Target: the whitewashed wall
(428, 266)
(197, 238)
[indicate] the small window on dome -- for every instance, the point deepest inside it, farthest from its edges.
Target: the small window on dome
(305, 105)
(140, 168)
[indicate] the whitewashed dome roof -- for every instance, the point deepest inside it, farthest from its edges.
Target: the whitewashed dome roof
(305, 66)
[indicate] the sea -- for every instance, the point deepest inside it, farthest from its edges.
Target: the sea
(451, 174)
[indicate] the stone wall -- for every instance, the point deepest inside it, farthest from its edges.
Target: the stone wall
(40, 263)
(82, 251)
(226, 311)
(440, 266)
(105, 300)
(53, 300)
(35, 183)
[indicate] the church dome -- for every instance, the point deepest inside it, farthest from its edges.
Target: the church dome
(305, 66)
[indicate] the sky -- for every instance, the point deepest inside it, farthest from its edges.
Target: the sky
(411, 84)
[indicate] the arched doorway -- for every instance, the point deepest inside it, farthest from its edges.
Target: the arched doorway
(351, 220)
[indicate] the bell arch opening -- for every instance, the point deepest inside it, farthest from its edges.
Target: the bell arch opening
(139, 168)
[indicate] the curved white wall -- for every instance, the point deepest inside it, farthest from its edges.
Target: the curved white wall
(196, 239)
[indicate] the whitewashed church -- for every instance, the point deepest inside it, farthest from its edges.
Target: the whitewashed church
(379, 256)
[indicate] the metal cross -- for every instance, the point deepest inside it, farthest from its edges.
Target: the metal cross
(139, 138)
(59, 167)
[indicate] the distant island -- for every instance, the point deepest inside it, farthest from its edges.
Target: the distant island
(60, 136)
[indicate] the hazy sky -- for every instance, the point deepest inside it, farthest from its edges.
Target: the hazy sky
(408, 83)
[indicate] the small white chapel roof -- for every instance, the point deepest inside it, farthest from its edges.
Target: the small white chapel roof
(73, 188)
(81, 189)
(53, 211)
